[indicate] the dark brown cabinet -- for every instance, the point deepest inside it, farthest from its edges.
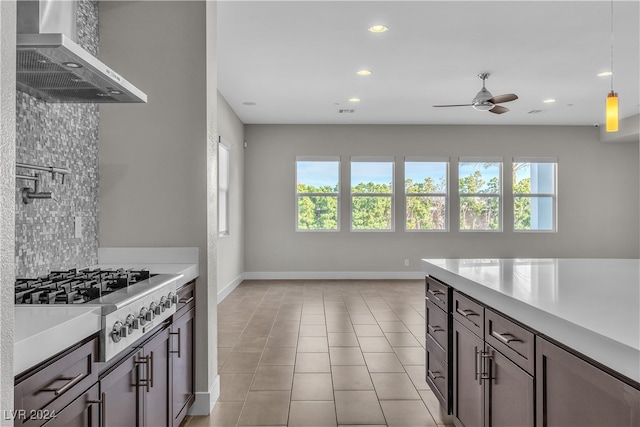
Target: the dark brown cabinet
(82, 412)
(508, 392)
(573, 392)
(41, 394)
(438, 340)
(490, 390)
(467, 383)
(182, 362)
(135, 392)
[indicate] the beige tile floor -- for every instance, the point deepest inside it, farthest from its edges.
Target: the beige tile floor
(323, 353)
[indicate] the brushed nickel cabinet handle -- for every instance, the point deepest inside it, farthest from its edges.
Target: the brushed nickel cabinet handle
(504, 337)
(435, 328)
(178, 334)
(185, 301)
(71, 382)
(435, 294)
(433, 375)
(466, 313)
(103, 407)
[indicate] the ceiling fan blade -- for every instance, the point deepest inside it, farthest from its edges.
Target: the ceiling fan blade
(454, 105)
(507, 97)
(499, 109)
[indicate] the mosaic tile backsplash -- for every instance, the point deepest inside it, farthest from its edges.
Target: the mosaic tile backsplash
(61, 135)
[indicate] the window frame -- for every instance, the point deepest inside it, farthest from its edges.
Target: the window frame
(553, 196)
(499, 195)
(446, 195)
(336, 195)
(224, 191)
(372, 159)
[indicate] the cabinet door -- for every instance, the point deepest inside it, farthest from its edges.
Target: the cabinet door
(81, 412)
(156, 396)
(571, 391)
(509, 393)
(182, 354)
(467, 394)
(120, 392)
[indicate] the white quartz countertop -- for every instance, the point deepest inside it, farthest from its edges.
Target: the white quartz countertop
(42, 331)
(45, 330)
(590, 305)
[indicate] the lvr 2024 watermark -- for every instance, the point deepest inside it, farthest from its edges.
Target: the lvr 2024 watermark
(23, 414)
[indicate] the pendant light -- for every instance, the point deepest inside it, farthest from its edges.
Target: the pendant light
(612, 98)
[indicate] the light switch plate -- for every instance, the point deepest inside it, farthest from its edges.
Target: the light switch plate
(77, 221)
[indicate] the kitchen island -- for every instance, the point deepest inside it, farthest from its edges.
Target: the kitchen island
(559, 339)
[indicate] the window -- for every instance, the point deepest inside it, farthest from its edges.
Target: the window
(479, 188)
(534, 194)
(223, 187)
(372, 193)
(317, 193)
(426, 194)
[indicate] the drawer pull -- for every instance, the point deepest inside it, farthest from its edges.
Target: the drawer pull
(179, 342)
(71, 382)
(148, 363)
(103, 409)
(185, 301)
(435, 294)
(433, 375)
(435, 328)
(505, 337)
(466, 313)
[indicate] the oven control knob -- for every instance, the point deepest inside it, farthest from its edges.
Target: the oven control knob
(170, 300)
(143, 315)
(131, 322)
(163, 303)
(116, 331)
(174, 298)
(153, 308)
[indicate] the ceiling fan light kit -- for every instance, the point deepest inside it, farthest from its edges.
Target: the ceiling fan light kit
(485, 101)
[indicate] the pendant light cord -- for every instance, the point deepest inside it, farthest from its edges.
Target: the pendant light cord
(611, 45)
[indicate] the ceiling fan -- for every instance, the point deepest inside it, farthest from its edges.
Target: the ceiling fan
(484, 101)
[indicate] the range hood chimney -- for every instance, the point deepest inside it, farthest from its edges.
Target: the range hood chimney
(52, 66)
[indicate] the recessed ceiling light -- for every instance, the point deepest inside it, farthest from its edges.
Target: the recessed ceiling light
(363, 72)
(248, 103)
(354, 99)
(605, 74)
(549, 101)
(378, 28)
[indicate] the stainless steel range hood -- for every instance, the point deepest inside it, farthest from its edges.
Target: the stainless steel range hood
(50, 64)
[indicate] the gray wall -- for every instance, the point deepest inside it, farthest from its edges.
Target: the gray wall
(231, 247)
(61, 135)
(7, 201)
(156, 158)
(597, 193)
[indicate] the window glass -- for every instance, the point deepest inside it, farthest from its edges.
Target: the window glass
(534, 195)
(371, 194)
(479, 188)
(318, 194)
(426, 195)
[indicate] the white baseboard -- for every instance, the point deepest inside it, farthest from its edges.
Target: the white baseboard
(230, 287)
(205, 401)
(333, 275)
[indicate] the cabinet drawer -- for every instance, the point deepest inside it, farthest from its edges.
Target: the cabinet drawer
(438, 293)
(186, 298)
(511, 339)
(438, 325)
(437, 375)
(434, 347)
(469, 313)
(58, 383)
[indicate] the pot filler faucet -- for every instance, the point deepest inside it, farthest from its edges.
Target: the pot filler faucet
(29, 193)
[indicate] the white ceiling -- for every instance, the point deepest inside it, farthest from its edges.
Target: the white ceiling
(297, 60)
